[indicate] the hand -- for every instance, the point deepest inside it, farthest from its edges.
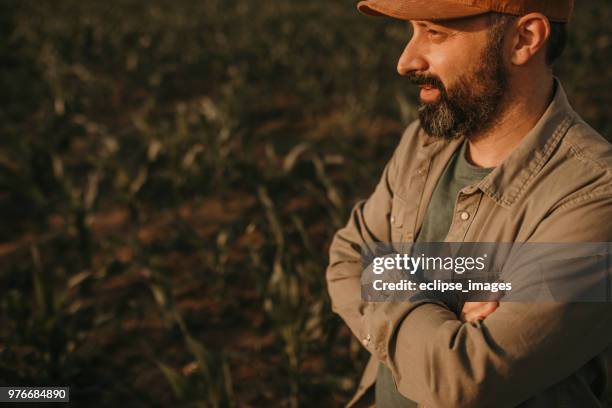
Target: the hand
(473, 311)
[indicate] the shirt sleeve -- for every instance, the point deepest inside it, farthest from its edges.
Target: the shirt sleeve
(368, 224)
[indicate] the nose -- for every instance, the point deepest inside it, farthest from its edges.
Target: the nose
(411, 59)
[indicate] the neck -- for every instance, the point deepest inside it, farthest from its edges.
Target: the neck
(523, 108)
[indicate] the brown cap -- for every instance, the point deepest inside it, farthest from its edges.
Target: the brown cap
(555, 10)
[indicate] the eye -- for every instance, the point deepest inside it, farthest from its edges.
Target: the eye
(435, 35)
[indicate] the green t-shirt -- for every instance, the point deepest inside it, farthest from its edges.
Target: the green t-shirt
(458, 174)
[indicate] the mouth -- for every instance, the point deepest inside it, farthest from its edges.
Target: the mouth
(429, 93)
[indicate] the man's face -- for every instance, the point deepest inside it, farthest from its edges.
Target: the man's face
(459, 67)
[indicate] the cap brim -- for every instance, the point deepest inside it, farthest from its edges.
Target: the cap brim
(418, 9)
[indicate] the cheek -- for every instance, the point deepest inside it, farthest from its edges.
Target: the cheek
(451, 61)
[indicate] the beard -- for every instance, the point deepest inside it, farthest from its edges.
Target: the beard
(471, 105)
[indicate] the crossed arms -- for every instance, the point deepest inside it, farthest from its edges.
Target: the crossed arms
(438, 360)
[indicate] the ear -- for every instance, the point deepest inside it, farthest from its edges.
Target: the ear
(531, 35)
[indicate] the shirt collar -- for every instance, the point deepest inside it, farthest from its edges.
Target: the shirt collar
(508, 181)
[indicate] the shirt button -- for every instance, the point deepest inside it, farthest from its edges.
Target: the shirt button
(465, 215)
(393, 219)
(366, 341)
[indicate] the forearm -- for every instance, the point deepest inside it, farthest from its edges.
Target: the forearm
(512, 355)
(344, 289)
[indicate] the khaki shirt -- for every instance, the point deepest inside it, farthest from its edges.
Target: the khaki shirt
(556, 186)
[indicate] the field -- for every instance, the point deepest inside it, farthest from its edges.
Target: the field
(171, 175)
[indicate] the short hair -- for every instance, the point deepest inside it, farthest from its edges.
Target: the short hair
(556, 41)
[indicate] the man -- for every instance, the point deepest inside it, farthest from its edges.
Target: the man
(497, 155)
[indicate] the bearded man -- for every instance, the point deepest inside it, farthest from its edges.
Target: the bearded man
(497, 155)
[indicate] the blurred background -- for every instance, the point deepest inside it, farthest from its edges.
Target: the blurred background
(171, 176)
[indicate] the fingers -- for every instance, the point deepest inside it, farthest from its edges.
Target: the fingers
(473, 311)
